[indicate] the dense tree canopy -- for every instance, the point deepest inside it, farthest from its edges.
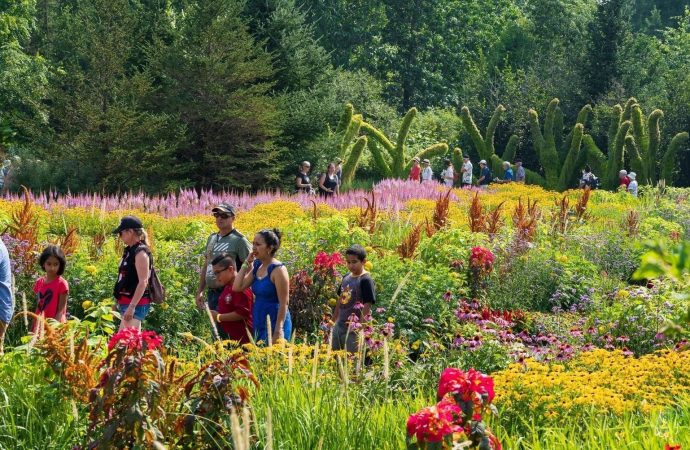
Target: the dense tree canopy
(159, 94)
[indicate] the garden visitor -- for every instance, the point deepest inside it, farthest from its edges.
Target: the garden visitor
(131, 289)
(356, 295)
(484, 175)
(448, 173)
(427, 173)
(270, 284)
(51, 289)
(466, 171)
(623, 179)
(415, 170)
(328, 183)
(6, 298)
(227, 240)
(302, 181)
(507, 173)
(519, 171)
(234, 312)
(339, 171)
(632, 187)
(588, 178)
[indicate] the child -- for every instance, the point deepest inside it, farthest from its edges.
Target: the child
(52, 289)
(234, 310)
(356, 295)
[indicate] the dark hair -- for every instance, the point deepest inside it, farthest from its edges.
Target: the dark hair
(272, 238)
(55, 251)
(358, 251)
(517, 160)
(446, 161)
(587, 168)
(224, 261)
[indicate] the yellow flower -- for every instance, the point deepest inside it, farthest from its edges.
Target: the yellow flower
(623, 294)
(425, 278)
(86, 304)
(368, 265)
(391, 320)
(91, 270)
(415, 345)
(332, 302)
(562, 258)
(164, 306)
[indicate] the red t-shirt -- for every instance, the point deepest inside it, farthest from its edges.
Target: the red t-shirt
(415, 173)
(625, 181)
(241, 303)
(48, 297)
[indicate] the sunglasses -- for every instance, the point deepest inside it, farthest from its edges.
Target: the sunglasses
(221, 215)
(218, 272)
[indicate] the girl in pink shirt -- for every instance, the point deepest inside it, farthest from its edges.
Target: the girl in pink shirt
(51, 289)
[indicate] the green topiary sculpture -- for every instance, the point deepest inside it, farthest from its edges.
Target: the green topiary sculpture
(485, 144)
(391, 159)
(635, 139)
(561, 158)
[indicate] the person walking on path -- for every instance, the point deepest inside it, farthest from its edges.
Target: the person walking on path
(226, 240)
(448, 173)
(329, 182)
(302, 181)
(519, 172)
(623, 179)
(507, 172)
(131, 289)
(415, 171)
(270, 283)
(234, 313)
(427, 173)
(466, 170)
(632, 187)
(6, 298)
(484, 175)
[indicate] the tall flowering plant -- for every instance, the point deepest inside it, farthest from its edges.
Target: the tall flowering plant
(126, 403)
(456, 420)
(311, 288)
(481, 264)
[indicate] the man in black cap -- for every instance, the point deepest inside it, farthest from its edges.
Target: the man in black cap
(227, 240)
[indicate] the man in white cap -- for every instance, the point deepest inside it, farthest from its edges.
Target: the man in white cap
(484, 175)
(623, 179)
(466, 170)
(427, 173)
(632, 187)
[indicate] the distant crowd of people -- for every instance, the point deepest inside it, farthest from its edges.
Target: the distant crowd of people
(421, 171)
(330, 181)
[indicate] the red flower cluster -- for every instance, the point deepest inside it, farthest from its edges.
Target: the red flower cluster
(481, 258)
(466, 384)
(323, 262)
(135, 339)
(464, 397)
(672, 447)
(434, 423)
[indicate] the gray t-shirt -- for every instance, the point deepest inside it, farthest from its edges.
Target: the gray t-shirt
(233, 243)
(360, 290)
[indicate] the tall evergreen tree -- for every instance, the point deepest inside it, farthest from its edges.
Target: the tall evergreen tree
(217, 80)
(606, 33)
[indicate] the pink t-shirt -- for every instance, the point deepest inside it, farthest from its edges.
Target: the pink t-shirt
(48, 297)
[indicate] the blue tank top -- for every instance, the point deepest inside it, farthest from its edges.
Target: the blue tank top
(264, 290)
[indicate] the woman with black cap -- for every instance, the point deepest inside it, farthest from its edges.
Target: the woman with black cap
(131, 289)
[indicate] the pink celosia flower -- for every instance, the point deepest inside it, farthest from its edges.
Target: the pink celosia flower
(433, 423)
(135, 339)
(456, 381)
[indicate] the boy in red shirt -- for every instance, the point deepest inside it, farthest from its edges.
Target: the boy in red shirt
(234, 311)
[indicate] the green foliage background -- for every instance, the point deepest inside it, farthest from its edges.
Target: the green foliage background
(166, 94)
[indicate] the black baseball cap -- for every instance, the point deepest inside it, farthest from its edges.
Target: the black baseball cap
(128, 223)
(225, 207)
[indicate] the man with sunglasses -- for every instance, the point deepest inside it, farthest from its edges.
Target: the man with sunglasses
(227, 240)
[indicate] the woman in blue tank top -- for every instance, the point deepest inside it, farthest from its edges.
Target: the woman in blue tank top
(270, 284)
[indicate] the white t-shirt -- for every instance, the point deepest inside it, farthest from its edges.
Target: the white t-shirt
(632, 188)
(427, 174)
(467, 172)
(447, 175)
